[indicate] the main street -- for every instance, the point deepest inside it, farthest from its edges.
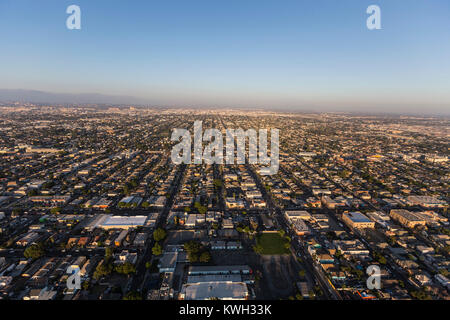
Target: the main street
(138, 279)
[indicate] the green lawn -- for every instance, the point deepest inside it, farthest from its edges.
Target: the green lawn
(272, 243)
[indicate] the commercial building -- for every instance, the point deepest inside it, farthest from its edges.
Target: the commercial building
(223, 290)
(297, 215)
(215, 278)
(50, 200)
(379, 217)
(140, 239)
(357, 220)
(107, 221)
(194, 220)
(351, 247)
(426, 201)
(120, 238)
(267, 222)
(214, 270)
(296, 218)
(300, 227)
(168, 262)
(407, 218)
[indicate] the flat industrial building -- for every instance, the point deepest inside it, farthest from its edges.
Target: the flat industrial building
(223, 290)
(107, 221)
(204, 270)
(357, 220)
(214, 278)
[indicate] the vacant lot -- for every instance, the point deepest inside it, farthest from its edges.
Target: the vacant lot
(272, 243)
(279, 275)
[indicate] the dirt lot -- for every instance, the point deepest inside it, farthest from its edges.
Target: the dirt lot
(278, 272)
(279, 275)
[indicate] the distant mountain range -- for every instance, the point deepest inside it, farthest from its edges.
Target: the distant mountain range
(44, 97)
(35, 96)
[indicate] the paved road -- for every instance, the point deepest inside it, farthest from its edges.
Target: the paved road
(138, 279)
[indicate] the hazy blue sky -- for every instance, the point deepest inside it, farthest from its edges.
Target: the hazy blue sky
(313, 54)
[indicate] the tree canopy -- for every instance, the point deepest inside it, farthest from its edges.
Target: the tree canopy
(159, 234)
(34, 251)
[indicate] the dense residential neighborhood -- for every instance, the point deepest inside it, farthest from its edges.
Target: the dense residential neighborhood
(94, 188)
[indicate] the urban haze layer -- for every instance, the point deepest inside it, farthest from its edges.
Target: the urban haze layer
(92, 207)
